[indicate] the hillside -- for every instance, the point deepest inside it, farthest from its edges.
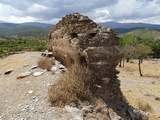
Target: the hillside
(147, 38)
(122, 28)
(24, 29)
(146, 33)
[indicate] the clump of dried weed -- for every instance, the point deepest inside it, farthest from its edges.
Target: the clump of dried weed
(46, 63)
(74, 84)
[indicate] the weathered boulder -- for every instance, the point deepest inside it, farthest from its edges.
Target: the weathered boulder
(78, 40)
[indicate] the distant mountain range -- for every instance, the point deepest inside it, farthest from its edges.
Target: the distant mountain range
(30, 28)
(127, 27)
(35, 28)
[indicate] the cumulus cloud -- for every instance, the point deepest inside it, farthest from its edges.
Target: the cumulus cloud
(135, 10)
(100, 11)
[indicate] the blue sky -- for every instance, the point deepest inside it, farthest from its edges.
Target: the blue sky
(51, 11)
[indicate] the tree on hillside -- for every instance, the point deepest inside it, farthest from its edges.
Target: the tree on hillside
(156, 48)
(141, 51)
(127, 52)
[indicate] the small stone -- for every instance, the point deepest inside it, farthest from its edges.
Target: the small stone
(157, 98)
(54, 68)
(30, 92)
(26, 65)
(57, 62)
(8, 71)
(27, 82)
(47, 54)
(98, 86)
(34, 66)
(25, 108)
(60, 66)
(23, 119)
(33, 97)
(71, 109)
(25, 74)
(36, 100)
(58, 71)
(39, 73)
(49, 84)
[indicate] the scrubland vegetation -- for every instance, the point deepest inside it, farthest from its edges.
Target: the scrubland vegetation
(139, 44)
(26, 43)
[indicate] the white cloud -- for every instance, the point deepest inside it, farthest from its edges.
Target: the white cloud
(134, 10)
(22, 19)
(10, 14)
(100, 11)
(99, 15)
(36, 8)
(6, 10)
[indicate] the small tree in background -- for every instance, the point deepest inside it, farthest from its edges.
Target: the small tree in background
(127, 52)
(141, 51)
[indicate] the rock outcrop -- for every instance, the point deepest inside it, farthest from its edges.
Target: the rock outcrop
(77, 39)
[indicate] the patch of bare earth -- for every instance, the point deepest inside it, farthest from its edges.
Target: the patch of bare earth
(24, 98)
(142, 92)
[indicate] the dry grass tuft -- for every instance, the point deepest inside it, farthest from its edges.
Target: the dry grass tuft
(46, 63)
(145, 106)
(153, 82)
(74, 84)
(66, 56)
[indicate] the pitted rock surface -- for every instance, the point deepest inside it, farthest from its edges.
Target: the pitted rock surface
(92, 43)
(77, 39)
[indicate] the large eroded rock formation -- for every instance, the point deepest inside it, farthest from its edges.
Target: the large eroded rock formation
(77, 39)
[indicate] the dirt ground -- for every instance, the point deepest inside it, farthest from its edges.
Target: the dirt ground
(26, 98)
(142, 91)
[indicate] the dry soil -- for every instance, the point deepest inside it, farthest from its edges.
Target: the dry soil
(142, 91)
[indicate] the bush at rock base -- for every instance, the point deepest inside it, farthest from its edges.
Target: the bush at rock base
(73, 85)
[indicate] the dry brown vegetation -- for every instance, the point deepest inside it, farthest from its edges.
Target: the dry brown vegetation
(144, 106)
(66, 55)
(73, 85)
(46, 63)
